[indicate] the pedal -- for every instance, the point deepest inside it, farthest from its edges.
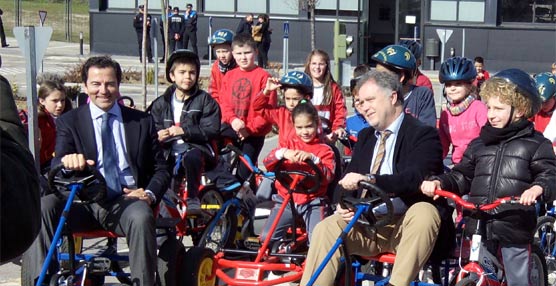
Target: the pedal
(99, 265)
(252, 243)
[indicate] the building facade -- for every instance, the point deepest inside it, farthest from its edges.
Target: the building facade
(506, 33)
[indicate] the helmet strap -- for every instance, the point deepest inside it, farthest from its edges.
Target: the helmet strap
(512, 110)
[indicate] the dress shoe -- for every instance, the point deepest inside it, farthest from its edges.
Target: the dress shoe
(151, 61)
(5, 46)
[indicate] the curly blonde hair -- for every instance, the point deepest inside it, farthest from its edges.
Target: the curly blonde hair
(508, 94)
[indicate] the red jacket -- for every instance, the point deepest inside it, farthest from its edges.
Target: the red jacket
(541, 120)
(423, 80)
(336, 109)
(215, 82)
(326, 164)
(48, 137)
(279, 116)
(238, 91)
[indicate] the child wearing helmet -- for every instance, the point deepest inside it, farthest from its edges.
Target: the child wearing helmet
(295, 86)
(327, 95)
(417, 100)
(546, 85)
(509, 158)
(305, 144)
(221, 43)
(357, 121)
(464, 115)
(187, 120)
(417, 50)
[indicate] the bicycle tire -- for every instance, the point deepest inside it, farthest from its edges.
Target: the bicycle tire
(539, 270)
(223, 234)
(545, 236)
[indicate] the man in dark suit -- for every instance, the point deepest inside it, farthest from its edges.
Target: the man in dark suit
(122, 144)
(395, 153)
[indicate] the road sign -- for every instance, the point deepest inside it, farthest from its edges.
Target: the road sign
(286, 30)
(42, 16)
(42, 38)
(444, 34)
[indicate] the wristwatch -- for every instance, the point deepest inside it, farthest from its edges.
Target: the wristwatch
(151, 196)
(371, 178)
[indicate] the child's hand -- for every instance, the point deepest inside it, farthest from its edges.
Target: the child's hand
(302, 156)
(428, 188)
(272, 84)
(331, 138)
(529, 197)
(340, 132)
(163, 135)
(237, 124)
(290, 155)
(175, 131)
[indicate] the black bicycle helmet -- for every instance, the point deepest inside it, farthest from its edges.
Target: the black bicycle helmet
(413, 46)
(525, 84)
(457, 69)
(396, 56)
(179, 54)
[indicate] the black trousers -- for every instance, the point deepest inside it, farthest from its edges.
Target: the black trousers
(140, 42)
(2, 33)
(193, 164)
(190, 37)
(131, 218)
(251, 147)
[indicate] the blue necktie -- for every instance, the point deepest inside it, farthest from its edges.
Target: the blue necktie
(110, 159)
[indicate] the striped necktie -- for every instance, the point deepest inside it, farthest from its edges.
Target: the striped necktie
(379, 156)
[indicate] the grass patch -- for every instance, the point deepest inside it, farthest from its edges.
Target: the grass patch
(55, 17)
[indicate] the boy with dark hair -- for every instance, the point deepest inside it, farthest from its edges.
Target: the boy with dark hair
(239, 89)
(187, 120)
(482, 74)
(509, 158)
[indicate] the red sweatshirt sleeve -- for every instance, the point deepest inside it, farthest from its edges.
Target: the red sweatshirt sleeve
(215, 81)
(338, 117)
(225, 96)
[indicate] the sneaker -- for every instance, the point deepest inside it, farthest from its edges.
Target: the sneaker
(5, 45)
(151, 61)
(162, 60)
(193, 206)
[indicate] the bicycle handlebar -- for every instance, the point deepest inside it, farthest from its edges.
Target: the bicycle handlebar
(246, 160)
(468, 205)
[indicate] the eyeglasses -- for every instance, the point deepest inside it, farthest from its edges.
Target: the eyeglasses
(357, 102)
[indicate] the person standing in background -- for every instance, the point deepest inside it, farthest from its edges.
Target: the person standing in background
(245, 24)
(176, 28)
(261, 36)
(190, 34)
(138, 25)
(2, 34)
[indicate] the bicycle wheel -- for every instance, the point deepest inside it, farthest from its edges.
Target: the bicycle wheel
(539, 273)
(223, 234)
(545, 235)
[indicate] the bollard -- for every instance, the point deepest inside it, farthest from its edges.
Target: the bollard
(81, 43)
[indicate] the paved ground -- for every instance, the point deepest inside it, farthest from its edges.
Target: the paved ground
(62, 56)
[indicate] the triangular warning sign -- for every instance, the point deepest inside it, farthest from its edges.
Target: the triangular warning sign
(42, 16)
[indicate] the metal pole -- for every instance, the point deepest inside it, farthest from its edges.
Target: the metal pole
(81, 43)
(463, 43)
(285, 53)
(210, 34)
(154, 32)
(397, 25)
(31, 81)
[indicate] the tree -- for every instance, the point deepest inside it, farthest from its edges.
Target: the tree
(143, 54)
(309, 6)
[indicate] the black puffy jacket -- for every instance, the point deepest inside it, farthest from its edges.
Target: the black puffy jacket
(488, 172)
(200, 118)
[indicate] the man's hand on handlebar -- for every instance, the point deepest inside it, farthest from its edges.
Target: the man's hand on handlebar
(428, 188)
(76, 162)
(351, 180)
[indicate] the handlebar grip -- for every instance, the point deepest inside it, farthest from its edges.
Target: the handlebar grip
(234, 149)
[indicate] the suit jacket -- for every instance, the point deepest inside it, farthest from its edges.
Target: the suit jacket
(75, 134)
(417, 156)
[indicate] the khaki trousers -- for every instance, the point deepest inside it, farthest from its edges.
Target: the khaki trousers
(411, 236)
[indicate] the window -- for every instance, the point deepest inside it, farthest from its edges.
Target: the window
(539, 11)
(121, 4)
(288, 7)
(250, 6)
(219, 6)
(458, 10)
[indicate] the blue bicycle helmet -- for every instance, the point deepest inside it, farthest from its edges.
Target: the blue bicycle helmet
(298, 80)
(413, 46)
(222, 36)
(457, 69)
(525, 84)
(397, 57)
(179, 54)
(546, 85)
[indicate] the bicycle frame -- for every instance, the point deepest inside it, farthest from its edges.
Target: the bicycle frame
(482, 263)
